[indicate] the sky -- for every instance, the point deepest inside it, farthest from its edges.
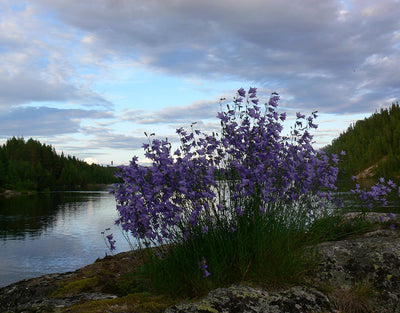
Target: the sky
(90, 77)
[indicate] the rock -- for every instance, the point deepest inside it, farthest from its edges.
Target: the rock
(34, 294)
(12, 193)
(366, 269)
(242, 299)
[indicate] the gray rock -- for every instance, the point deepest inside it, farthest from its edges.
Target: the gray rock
(34, 294)
(367, 267)
(243, 299)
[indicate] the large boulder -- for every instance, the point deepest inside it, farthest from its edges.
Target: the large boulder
(243, 299)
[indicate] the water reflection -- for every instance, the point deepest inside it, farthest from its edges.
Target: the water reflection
(29, 216)
(55, 232)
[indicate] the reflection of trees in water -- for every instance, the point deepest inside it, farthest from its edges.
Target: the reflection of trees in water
(30, 216)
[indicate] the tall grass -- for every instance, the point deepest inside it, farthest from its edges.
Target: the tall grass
(254, 247)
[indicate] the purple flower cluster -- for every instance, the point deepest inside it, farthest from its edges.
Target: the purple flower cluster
(377, 194)
(180, 191)
(270, 166)
(111, 241)
(392, 216)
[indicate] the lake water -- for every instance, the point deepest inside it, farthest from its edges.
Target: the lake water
(54, 232)
(61, 231)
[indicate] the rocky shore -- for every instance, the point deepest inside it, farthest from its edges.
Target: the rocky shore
(12, 193)
(357, 274)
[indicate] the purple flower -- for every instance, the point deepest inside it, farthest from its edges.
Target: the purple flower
(242, 92)
(203, 266)
(205, 230)
(392, 215)
(111, 241)
(392, 226)
(342, 152)
(382, 218)
(186, 234)
(252, 90)
(391, 184)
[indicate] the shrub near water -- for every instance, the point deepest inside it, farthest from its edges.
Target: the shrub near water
(229, 206)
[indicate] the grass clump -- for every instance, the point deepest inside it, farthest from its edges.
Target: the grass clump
(337, 226)
(265, 249)
(359, 298)
(74, 287)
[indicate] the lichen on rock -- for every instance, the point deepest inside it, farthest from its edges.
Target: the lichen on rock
(244, 299)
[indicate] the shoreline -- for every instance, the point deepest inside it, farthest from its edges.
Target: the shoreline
(331, 287)
(8, 193)
(344, 266)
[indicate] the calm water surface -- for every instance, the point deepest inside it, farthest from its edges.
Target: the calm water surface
(55, 232)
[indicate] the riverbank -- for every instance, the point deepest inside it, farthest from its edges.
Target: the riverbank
(13, 193)
(356, 274)
(8, 193)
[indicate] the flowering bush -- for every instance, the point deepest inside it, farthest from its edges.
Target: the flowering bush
(242, 199)
(377, 194)
(249, 166)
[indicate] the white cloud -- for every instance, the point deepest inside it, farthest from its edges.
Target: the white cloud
(90, 160)
(45, 121)
(334, 56)
(297, 45)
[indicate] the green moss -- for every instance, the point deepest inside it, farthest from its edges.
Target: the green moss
(75, 287)
(138, 303)
(206, 307)
(240, 293)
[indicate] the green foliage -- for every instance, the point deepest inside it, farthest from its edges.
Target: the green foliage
(74, 287)
(30, 165)
(262, 249)
(374, 140)
(336, 227)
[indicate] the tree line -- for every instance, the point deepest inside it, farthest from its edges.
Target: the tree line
(372, 141)
(31, 165)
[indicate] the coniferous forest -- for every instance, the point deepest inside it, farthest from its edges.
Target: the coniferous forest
(371, 143)
(31, 165)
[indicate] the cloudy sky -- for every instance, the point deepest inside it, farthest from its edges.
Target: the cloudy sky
(90, 77)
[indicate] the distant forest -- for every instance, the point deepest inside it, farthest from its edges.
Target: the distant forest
(369, 142)
(31, 165)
